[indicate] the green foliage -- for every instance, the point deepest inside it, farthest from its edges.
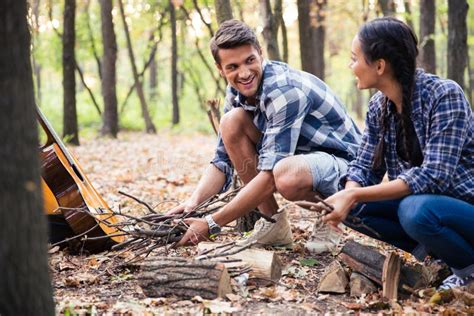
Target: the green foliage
(343, 19)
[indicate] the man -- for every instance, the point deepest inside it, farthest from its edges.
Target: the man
(283, 130)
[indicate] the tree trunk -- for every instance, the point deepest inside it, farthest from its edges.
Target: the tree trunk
(270, 30)
(427, 30)
(223, 10)
(36, 65)
(319, 35)
(149, 126)
(25, 286)
(387, 7)
(312, 34)
(457, 40)
(409, 14)
(153, 83)
(70, 128)
(174, 65)
(284, 34)
(110, 116)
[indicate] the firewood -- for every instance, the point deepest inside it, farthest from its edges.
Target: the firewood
(183, 278)
(391, 276)
(334, 279)
(369, 262)
(263, 263)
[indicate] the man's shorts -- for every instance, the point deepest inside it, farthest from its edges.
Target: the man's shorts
(326, 170)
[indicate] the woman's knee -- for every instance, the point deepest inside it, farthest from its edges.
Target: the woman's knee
(415, 215)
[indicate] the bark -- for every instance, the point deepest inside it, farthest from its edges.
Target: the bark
(70, 126)
(370, 263)
(427, 28)
(36, 65)
(149, 126)
(153, 84)
(25, 286)
(387, 7)
(174, 65)
(163, 276)
(110, 115)
(311, 16)
(284, 34)
(409, 14)
(223, 10)
(270, 30)
(457, 40)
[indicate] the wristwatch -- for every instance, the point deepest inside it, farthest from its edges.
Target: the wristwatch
(213, 227)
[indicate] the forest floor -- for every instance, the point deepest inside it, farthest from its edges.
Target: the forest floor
(161, 170)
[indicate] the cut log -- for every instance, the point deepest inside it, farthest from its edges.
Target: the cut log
(163, 276)
(369, 262)
(264, 264)
(334, 279)
(391, 276)
(360, 285)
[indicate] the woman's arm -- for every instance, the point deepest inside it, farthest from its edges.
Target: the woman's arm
(343, 201)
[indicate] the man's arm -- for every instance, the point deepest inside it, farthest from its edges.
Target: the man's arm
(210, 184)
(255, 192)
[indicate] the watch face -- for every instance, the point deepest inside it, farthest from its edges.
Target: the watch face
(214, 230)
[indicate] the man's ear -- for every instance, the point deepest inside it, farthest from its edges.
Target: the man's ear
(219, 67)
(381, 66)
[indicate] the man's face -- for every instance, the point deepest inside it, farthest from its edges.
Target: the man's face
(242, 67)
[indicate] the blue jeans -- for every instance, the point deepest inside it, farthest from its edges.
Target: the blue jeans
(436, 224)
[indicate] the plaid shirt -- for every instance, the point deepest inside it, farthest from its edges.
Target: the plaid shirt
(443, 122)
(297, 113)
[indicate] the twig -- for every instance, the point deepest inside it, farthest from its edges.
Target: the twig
(139, 201)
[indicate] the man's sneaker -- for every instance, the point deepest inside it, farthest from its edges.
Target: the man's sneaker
(453, 281)
(266, 233)
(323, 239)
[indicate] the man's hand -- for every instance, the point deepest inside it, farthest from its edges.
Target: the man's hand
(198, 231)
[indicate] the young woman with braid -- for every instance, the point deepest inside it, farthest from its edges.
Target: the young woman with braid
(420, 131)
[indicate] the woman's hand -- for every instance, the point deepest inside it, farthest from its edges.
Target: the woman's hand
(342, 201)
(182, 208)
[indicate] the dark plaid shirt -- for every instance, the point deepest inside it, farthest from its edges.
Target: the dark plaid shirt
(443, 122)
(296, 113)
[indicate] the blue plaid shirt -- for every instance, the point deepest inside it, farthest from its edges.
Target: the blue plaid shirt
(443, 122)
(297, 113)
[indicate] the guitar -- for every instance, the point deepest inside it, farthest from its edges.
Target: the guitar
(67, 193)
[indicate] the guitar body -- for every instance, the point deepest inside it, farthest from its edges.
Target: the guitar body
(67, 193)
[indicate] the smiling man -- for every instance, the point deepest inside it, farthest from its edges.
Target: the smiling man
(283, 130)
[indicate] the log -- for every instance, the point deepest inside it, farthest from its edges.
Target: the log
(391, 276)
(369, 262)
(264, 264)
(183, 278)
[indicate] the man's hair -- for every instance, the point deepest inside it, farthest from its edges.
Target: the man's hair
(232, 33)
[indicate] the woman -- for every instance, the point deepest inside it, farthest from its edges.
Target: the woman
(419, 129)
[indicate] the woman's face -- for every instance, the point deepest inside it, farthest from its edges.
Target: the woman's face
(366, 74)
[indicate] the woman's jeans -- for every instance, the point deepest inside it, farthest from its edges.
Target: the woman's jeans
(420, 224)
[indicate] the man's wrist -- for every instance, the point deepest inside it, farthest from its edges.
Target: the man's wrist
(213, 227)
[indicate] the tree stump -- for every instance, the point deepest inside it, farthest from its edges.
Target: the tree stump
(163, 276)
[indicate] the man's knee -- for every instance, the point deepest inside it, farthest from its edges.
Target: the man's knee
(289, 179)
(233, 122)
(415, 214)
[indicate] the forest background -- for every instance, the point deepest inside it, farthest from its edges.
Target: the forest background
(76, 52)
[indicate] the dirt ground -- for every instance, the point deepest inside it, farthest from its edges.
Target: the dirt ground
(161, 170)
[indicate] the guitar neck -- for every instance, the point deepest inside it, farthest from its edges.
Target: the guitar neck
(52, 136)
